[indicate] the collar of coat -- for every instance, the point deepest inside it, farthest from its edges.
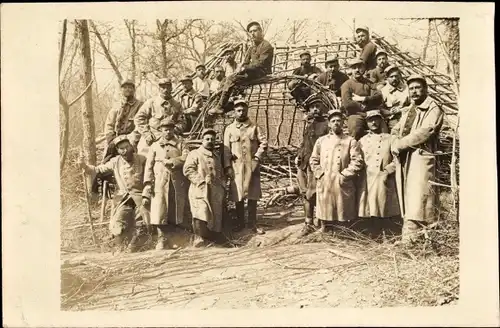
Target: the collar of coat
(425, 104)
(190, 93)
(130, 103)
(160, 101)
(206, 152)
(400, 87)
(246, 123)
(172, 142)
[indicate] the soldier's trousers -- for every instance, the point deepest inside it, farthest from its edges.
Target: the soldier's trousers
(252, 213)
(122, 223)
(235, 79)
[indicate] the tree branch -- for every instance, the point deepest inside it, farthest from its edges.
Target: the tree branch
(448, 60)
(106, 52)
(81, 94)
(63, 44)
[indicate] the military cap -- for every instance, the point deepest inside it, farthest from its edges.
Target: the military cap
(240, 101)
(334, 112)
(252, 24)
(363, 28)
(167, 122)
(380, 52)
(355, 62)
(208, 131)
(219, 69)
(200, 65)
(373, 113)
(416, 77)
(127, 82)
(164, 80)
(332, 59)
(390, 68)
(119, 139)
(186, 78)
(304, 53)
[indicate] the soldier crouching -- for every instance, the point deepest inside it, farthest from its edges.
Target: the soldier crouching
(132, 202)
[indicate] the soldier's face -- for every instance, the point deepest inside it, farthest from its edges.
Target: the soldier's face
(219, 74)
(208, 141)
(241, 112)
(374, 123)
(256, 33)
(167, 132)
(187, 85)
(315, 110)
(417, 91)
(128, 90)
(230, 56)
(124, 149)
(358, 70)
(335, 124)
(394, 78)
(305, 60)
(361, 37)
(333, 66)
(166, 89)
(200, 71)
(382, 61)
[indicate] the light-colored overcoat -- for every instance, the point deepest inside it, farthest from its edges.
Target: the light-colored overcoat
(416, 162)
(377, 185)
(336, 161)
(167, 181)
(243, 141)
(206, 201)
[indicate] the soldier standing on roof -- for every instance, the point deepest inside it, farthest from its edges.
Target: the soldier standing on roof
(368, 48)
(316, 126)
(154, 110)
(258, 63)
(415, 146)
(120, 120)
(131, 201)
(191, 102)
(333, 78)
(244, 146)
(377, 75)
(163, 179)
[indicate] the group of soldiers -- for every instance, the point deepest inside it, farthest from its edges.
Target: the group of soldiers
(379, 170)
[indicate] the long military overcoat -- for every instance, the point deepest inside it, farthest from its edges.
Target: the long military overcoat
(377, 185)
(242, 142)
(206, 201)
(336, 161)
(168, 182)
(416, 144)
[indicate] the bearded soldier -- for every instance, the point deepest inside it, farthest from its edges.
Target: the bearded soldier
(336, 160)
(204, 170)
(163, 179)
(131, 201)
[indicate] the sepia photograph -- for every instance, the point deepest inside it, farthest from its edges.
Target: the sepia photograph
(259, 164)
(249, 163)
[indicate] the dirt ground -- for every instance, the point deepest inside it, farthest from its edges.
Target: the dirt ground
(272, 270)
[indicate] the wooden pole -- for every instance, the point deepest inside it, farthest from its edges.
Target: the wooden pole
(89, 212)
(104, 199)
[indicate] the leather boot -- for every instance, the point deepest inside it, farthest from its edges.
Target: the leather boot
(308, 228)
(252, 217)
(219, 109)
(239, 223)
(162, 239)
(200, 231)
(132, 246)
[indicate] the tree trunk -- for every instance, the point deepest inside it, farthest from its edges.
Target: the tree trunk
(107, 54)
(133, 52)
(89, 146)
(427, 39)
(453, 45)
(63, 103)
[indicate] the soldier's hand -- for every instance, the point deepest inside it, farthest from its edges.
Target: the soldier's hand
(208, 179)
(230, 173)
(150, 139)
(355, 97)
(81, 162)
(168, 163)
(255, 164)
(297, 161)
(145, 202)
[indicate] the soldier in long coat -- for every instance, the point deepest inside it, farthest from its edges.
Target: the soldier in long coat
(415, 146)
(164, 179)
(336, 160)
(153, 111)
(131, 201)
(316, 126)
(244, 146)
(204, 170)
(377, 187)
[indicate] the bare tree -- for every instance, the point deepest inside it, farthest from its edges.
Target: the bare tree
(112, 61)
(133, 51)
(89, 146)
